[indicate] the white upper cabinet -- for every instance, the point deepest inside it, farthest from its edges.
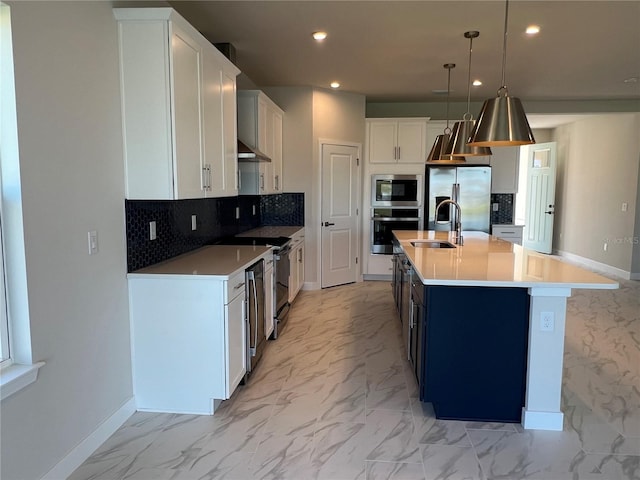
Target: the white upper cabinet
(504, 169)
(397, 140)
(178, 106)
(260, 126)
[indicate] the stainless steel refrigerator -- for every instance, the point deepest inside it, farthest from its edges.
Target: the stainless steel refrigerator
(473, 195)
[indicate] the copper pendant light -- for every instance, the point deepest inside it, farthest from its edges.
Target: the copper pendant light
(502, 121)
(462, 130)
(437, 153)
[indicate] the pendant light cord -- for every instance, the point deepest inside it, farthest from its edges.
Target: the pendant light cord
(469, 78)
(447, 129)
(504, 45)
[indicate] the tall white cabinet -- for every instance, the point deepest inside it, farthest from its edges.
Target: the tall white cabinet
(260, 126)
(179, 108)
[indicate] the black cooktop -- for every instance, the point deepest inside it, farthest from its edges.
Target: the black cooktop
(274, 241)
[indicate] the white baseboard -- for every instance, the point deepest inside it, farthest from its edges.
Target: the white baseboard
(532, 420)
(602, 267)
(311, 286)
(377, 278)
(85, 449)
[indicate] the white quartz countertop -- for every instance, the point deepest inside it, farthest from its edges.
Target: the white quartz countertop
(272, 231)
(212, 261)
(485, 260)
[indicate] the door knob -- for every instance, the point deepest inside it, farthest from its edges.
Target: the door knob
(328, 224)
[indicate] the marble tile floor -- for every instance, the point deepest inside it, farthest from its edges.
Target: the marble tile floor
(333, 399)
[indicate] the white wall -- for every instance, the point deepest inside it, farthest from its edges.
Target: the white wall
(312, 114)
(336, 117)
(70, 143)
(598, 163)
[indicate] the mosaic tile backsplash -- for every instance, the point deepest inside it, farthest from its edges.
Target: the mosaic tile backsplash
(216, 219)
(504, 214)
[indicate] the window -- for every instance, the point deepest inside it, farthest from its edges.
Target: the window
(4, 325)
(17, 369)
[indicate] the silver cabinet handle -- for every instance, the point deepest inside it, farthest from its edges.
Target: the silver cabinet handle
(262, 181)
(239, 286)
(277, 179)
(411, 312)
(238, 179)
(398, 153)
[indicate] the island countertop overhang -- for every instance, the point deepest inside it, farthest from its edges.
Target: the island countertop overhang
(488, 261)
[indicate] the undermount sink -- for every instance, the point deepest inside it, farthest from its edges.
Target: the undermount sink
(432, 244)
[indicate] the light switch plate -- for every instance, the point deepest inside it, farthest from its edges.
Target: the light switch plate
(93, 242)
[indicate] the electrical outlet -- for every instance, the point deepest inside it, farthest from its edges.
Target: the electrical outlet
(194, 222)
(152, 230)
(547, 323)
(495, 206)
(605, 246)
(625, 206)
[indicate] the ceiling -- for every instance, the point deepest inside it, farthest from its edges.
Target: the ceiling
(394, 51)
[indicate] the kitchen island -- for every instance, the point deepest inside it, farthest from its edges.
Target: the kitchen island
(507, 306)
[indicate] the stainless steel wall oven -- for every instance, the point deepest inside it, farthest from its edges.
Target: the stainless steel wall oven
(385, 220)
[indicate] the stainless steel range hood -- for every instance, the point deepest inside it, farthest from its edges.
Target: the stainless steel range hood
(248, 154)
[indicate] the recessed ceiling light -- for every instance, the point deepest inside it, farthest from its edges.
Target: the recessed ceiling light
(532, 30)
(477, 83)
(335, 85)
(319, 36)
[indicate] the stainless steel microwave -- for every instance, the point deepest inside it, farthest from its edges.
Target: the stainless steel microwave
(396, 190)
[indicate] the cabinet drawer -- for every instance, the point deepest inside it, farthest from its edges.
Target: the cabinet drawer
(235, 286)
(506, 232)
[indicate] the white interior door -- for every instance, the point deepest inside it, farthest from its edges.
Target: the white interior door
(339, 214)
(540, 204)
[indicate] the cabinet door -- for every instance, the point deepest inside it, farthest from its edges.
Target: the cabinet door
(214, 159)
(293, 273)
(268, 299)
(415, 330)
(186, 88)
(276, 157)
(236, 346)
(300, 267)
(229, 134)
(412, 137)
(382, 142)
(504, 169)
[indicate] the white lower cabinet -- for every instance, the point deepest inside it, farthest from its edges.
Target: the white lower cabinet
(380, 265)
(188, 341)
(296, 265)
(235, 340)
(269, 300)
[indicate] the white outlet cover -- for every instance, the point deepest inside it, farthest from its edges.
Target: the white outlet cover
(547, 321)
